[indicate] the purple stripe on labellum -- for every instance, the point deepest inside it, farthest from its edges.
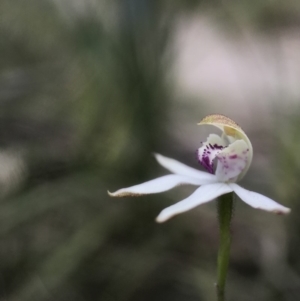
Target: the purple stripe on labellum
(205, 162)
(206, 155)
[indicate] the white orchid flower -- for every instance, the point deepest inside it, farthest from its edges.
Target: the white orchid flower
(227, 159)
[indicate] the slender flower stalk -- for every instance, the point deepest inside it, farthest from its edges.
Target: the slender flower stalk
(225, 212)
(226, 158)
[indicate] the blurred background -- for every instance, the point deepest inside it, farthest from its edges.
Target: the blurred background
(89, 89)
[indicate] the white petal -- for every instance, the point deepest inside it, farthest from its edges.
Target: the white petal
(232, 161)
(202, 195)
(258, 201)
(154, 186)
(181, 169)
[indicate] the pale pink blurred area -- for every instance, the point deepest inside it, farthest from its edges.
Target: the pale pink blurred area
(240, 72)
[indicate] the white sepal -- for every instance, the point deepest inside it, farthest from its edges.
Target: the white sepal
(258, 201)
(179, 168)
(154, 186)
(202, 195)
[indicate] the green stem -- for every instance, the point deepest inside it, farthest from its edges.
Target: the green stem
(225, 210)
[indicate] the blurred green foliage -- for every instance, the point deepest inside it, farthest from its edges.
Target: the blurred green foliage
(84, 101)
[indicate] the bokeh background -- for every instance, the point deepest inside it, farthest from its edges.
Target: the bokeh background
(89, 89)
